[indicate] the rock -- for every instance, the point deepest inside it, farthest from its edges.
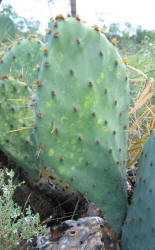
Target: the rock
(84, 234)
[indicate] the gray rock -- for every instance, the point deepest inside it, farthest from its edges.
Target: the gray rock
(84, 234)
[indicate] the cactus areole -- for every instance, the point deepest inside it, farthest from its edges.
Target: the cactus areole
(83, 99)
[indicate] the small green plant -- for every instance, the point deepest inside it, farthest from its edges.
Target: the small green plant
(14, 225)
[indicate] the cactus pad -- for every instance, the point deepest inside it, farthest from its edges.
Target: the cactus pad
(22, 61)
(139, 229)
(83, 96)
(17, 124)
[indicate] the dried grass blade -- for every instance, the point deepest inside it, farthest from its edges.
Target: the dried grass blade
(137, 80)
(136, 123)
(141, 103)
(128, 165)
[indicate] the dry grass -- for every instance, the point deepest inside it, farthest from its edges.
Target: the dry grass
(142, 114)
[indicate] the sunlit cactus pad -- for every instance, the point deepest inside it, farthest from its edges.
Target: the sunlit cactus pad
(83, 97)
(139, 229)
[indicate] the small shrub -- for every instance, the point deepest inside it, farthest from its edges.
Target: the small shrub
(14, 225)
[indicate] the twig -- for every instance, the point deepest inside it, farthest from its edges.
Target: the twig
(26, 201)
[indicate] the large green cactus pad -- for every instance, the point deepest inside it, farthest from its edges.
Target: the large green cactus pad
(139, 229)
(17, 124)
(83, 97)
(22, 60)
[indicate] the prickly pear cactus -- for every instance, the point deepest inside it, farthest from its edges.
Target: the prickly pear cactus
(83, 98)
(23, 60)
(139, 229)
(7, 28)
(17, 124)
